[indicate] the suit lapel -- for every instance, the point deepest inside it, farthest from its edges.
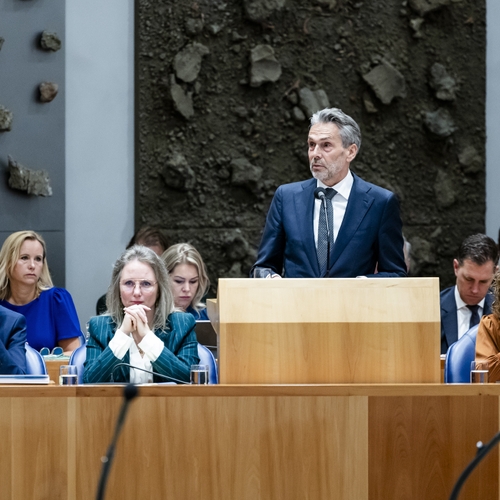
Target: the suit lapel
(304, 216)
(357, 207)
(449, 317)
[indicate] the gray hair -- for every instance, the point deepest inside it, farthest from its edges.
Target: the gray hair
(184, 253)
(164, 301)
(348, 128)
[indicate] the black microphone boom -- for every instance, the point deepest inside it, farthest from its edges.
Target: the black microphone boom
(166, 377)
(129, 393)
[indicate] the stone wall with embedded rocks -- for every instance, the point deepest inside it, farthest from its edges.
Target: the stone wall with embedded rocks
(225, 90)
(32, 124)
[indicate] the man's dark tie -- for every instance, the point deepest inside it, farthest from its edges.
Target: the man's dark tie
(325, 230)
(474, 317)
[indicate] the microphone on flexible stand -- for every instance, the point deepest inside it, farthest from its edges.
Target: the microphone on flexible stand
(129, 393)
(319, 194)
(147, 371)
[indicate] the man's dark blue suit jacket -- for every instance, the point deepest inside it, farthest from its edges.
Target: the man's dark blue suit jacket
(370, 235)
(12, 342)
(449, 323)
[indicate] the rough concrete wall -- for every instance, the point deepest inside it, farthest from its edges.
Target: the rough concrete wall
(224, 90)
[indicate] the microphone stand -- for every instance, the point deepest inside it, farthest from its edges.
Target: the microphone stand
(129, 393)
(147, 371)
(482, 451)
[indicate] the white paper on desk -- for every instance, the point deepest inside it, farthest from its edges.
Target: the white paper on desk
(24, 379)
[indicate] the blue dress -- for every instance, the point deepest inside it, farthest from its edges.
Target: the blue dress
(49, 318)
(197, 315)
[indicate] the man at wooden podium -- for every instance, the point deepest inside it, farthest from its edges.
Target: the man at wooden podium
(314, 231)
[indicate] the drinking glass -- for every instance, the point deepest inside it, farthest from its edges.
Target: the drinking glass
(199, 374)
(68, 375)
(479, 372)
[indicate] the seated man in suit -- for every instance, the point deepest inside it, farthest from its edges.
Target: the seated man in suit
(12, 342)
(348, 231)
(463, 305)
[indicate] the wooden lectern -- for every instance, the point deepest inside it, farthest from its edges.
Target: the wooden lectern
(324, 331)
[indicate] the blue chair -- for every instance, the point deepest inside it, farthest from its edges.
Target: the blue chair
(35, 364)
(207, 358)
(77, 358)
(459, 358)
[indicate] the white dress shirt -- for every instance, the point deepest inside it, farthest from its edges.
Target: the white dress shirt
(152, 347)
(464, 313)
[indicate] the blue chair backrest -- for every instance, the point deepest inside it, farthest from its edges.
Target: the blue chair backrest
(207, 358)
(35, 364)
(77, 358)
(459, 358)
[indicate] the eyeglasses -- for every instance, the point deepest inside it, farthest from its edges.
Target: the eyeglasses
(57, 351)
(145, 285)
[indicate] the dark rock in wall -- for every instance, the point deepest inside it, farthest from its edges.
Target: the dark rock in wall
(386, 81)
(34, 182)
(50, 41)
(264, 66)
(258, 10)
(187, 63)
(471, 160)
(48, 91)
(6, 117)
(178, 174)
(425, 6)
(443, 84)
(245, 174)
(444, 189)
(312, 101)
(440, 122)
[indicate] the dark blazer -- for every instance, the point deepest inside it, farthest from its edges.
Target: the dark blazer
(370, 235)
(449, 324)
(12, 341)
(179, 353)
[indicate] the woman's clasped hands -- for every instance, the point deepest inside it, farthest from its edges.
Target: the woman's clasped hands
(135, 321)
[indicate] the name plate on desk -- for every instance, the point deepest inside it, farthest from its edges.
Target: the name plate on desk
(24, 379)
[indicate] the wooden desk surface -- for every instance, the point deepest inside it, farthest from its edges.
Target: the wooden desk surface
(351, 442)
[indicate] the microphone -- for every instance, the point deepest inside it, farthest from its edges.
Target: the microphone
(147, 371)
(482, 451)
(319, 193)
(129, 393)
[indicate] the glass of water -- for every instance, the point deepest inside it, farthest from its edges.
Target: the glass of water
(199, 374)
(479, 372)
(68, 375)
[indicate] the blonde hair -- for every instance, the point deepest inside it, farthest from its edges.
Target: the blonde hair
(184, 253)
(164, 301)
(9, 255)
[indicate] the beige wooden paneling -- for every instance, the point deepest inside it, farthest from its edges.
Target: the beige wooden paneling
(383, 330)
(316, 442)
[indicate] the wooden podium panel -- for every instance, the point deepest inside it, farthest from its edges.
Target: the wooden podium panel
(281, 442)
(313, 331)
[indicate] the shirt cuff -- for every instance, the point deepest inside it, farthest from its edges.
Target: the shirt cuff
(120, 344)
(151, 345)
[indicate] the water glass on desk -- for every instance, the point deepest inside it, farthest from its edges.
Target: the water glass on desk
(199, 374)
(479, 372)
(68, 375)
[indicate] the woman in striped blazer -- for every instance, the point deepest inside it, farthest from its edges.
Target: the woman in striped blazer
(140, 327)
